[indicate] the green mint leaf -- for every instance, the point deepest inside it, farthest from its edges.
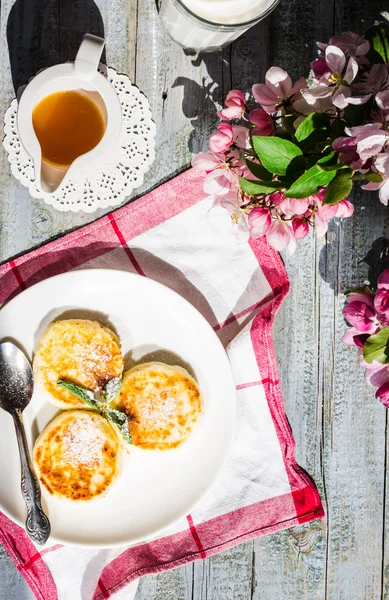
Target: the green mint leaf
(119, 418)
(378, 36)
(116, 416)
(112, 389)
(314, 123)
(339, 188)
(309, 183)
(126, 433)
(255, 188)
(258, 170)
(80, 392)
(377, 347)
(279, 156)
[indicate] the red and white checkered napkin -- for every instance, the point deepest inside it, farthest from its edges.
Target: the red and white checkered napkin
(167, 236)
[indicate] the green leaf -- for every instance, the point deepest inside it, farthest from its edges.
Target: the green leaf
(377, 347)
(125, 429)
(378, 36)
(277, 155)
(120, 419)
(80, 392)
(374, 177)
(112, 389)
(258, 170)
(309, 183)
(115, 416)
(255, 188)
(339, 188)
(313, 123)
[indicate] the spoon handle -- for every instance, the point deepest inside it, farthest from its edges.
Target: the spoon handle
(37, 523)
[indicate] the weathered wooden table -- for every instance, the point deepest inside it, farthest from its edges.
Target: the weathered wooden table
(340, 429)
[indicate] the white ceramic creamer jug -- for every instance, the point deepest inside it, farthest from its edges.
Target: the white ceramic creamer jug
(81, 76)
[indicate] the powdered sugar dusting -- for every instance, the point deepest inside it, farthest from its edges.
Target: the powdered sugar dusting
(82, 443)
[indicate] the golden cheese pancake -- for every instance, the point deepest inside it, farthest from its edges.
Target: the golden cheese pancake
(78, 455)
(80, 351)
(162, 402)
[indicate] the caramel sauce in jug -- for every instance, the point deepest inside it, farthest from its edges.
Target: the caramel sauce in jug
(67, 125)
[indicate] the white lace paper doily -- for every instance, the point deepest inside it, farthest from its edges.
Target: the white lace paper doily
(109, 182)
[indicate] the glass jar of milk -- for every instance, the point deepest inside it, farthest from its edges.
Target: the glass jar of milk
(207, 25)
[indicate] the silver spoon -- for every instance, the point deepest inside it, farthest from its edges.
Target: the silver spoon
(16, 387)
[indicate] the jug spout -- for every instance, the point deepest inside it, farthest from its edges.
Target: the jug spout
(50, 176)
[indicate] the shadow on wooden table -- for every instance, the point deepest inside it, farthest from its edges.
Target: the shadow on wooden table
(355, 250)
(42, 33)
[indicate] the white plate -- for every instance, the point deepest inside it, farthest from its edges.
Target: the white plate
(155, 488)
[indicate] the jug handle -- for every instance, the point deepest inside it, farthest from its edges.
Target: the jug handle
(88, 55)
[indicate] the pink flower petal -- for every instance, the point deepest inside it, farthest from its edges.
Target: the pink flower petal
(241, 136)
(384, 192)
(315, 93)
(231, 112)
(265, 97)
(259, 221)
(345, 209)
(351, 71)
(369, 145)
(383, 394)
(361, 297)
(207, 161)
(340, 97)
(300, 228)
(335, 58)
(299, 85)
(383, 280)
(382, 99)
(279, 82)
(217, 182)
(279, 235)
(222, 139)
(377, 374)
(361, 316)
(263, 122)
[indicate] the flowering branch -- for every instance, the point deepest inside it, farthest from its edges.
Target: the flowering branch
(291, 163)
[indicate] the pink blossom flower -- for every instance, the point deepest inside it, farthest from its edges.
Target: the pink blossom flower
(300, 227)
(335, 83)
(360, 313)
(373, 81)
(221, 140)
(239, 221)
(345, 209)
(381, 165)
(383, 394)
(350, 43)
(227, 211)
(259, 221)
(369, 139)
(264, 124)
(223, 171)
(236, 106)
(276, 90)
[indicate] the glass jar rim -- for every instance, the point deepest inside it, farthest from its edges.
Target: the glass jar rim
(227, 26)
